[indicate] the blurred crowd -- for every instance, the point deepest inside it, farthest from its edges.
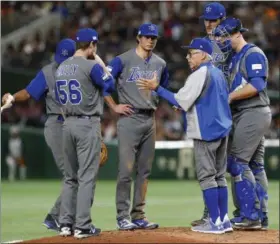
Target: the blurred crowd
(117, 23)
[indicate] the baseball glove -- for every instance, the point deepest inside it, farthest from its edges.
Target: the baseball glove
(103, 154)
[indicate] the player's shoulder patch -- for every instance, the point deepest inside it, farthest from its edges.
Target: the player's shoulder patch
(105, 77)
(256, 66)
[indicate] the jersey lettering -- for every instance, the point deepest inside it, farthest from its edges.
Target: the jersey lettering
(136, 74)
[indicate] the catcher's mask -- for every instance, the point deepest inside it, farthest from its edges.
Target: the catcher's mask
(223, 32)
(222, 38)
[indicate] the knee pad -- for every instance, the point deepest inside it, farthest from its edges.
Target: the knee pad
(256, 167)
(235, 167)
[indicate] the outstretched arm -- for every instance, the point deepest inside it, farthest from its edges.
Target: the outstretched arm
(153, 85)
(35, 89)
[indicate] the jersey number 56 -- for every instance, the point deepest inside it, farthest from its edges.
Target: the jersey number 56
(68, 91)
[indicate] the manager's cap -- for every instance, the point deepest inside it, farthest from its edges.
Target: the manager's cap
(148, 29)
(200, 44)
(86, 35)
(213, 11)
(64, 50)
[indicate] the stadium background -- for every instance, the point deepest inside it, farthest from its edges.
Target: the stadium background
(29, 33)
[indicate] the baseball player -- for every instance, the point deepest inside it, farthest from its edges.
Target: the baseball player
(15, 156)
(213, 14)
(205, 99)
(251, 119)
(80, 81)
(43, 85)
(136, 129)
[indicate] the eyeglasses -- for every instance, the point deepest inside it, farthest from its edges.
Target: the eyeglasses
(190, 54)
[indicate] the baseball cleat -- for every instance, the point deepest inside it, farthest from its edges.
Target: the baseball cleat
(144, 224)
(51, 223)
(247, 224)
(227, 224)
(209, 227)
(125, 224)
(81, 233)
(203, 219)
(199, 222)
(264, 223)
(65, 230)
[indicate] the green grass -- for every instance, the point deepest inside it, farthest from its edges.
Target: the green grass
(169, 203)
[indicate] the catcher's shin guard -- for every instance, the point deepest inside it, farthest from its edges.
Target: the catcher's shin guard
(261, 186)
(245, 190)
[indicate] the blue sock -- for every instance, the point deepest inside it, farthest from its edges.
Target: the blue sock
(223, 201)
(211, 201)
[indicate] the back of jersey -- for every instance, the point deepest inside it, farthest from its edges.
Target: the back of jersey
(52, 105)
(76, 90)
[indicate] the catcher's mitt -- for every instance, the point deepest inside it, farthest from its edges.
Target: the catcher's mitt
(103, 154)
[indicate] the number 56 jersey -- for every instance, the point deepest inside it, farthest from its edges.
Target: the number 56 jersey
(79, 86)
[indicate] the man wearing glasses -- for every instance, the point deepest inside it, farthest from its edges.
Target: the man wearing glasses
(205, 99)
(213, 14)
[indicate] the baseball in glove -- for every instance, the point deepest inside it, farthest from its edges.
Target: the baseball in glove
(103, 154)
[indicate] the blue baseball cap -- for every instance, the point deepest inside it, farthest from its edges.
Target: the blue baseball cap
(64, 50)
(213, 11)
(148, 29)
(229, 26)
(86, 35)
(201, 44)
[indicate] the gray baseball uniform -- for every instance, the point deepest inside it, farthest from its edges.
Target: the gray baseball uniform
(221, 59)
(136, 133)
(251, 119)
(44, 85)
(53, 126)
(79, 84)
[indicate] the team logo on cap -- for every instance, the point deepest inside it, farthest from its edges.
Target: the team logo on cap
(94, 38)
(152, 27)
(64, 52)
(208, 9)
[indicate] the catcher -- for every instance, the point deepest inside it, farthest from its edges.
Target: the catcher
(15, 157)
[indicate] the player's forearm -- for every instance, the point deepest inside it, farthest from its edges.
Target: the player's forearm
(21, 96)
(110, 102)
(168, 95)
(246, 92)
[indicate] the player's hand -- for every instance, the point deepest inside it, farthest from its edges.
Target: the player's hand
(101, 62)
(125, 109)
(177, 108)
(7, 97)
(145, 84)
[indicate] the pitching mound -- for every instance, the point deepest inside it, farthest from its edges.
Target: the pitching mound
(169, 235)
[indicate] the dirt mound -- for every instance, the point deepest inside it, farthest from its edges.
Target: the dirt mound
(169, 235)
